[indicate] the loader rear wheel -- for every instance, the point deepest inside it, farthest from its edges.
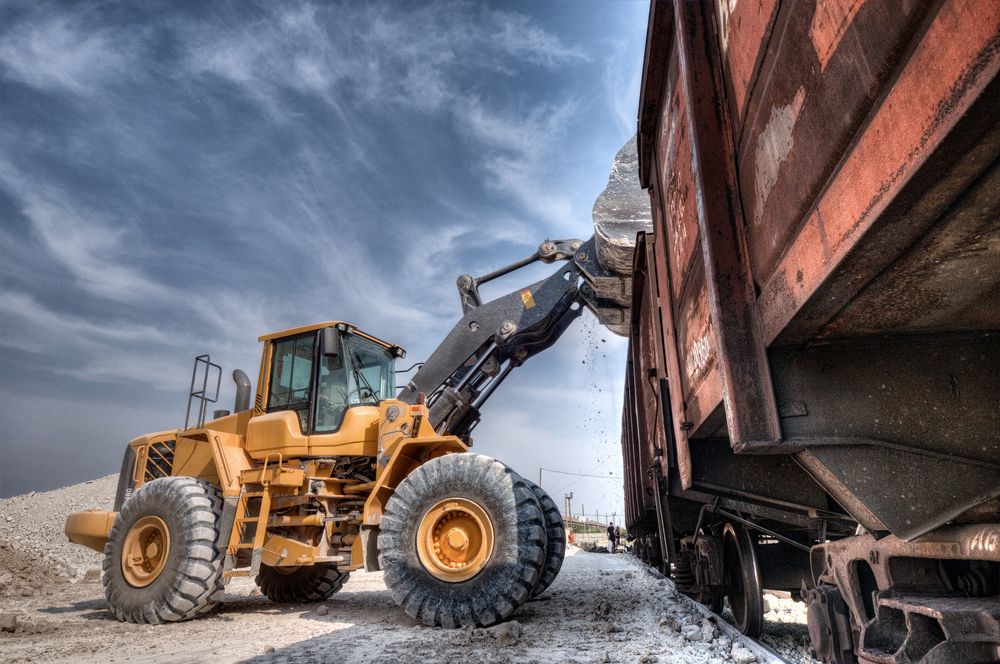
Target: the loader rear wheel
(462, 541)
(162, 562)
(300, 585)
(555, 540)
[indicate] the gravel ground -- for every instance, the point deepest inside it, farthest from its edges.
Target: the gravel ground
(32, 525)
(602, 608)
(786, 631)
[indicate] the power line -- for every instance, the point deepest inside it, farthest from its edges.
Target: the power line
(563, 472)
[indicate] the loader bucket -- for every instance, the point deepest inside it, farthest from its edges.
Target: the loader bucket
(620, 213)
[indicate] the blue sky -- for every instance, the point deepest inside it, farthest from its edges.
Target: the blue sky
(178, 178)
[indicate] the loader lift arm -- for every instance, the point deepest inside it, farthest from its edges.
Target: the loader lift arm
(495, 337)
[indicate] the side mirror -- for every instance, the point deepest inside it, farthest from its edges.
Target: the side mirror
(330, 346)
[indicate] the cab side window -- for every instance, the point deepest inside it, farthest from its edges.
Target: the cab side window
(292, 376)
(331, 397)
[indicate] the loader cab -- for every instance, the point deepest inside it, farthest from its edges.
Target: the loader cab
(322, 384)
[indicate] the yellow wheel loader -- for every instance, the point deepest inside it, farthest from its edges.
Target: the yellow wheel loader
(330, 470)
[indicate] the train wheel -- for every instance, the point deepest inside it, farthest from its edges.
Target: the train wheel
(742, 574)
(653, 552)
(829, 622)
(686, 579)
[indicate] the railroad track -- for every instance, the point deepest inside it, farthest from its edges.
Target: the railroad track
(763, 652)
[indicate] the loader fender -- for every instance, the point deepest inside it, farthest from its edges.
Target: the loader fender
(213, 456)
(399, 459)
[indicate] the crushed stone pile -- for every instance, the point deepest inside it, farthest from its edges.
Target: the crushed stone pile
(785, 633)
(34, 550)
(23, 575)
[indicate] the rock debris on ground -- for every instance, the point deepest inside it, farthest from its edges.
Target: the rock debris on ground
(34, 553)
(602, 608)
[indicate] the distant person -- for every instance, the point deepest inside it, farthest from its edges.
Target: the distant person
(612, 538)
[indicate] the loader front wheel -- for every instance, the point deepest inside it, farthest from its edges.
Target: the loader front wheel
(555, 535)
(300, 585)
(462, 541)
(162, 562)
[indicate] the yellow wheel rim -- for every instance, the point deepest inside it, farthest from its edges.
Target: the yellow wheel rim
(144, 555)
(455, 540)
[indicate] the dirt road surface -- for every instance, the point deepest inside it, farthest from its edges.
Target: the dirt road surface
(602, 608)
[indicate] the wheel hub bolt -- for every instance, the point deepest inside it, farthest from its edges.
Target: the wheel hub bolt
(457, 539)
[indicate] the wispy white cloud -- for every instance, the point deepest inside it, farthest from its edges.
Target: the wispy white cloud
(120, 350)
(518, 36)
(93, 249)
(23, 307)
(517, 150)
(425, 59)
(621, 79)
(103, 254)
(92, 349)
(60, 54)
(418, 57)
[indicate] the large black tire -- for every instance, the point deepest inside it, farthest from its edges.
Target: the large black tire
(191, 580)
(555, 540)
(508, 575)
(300, 585)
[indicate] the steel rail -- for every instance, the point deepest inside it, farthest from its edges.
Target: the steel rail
(763, 652)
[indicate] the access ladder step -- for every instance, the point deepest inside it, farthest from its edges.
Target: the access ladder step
(243, 571)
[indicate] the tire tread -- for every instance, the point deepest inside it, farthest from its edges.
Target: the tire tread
(312, 583)
(434, 602)
(198, 582)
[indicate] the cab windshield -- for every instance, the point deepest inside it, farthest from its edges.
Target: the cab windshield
(361, 374)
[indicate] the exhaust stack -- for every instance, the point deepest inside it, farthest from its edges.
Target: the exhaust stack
(242, 391)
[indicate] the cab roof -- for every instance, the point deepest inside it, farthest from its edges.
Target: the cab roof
(292, 331)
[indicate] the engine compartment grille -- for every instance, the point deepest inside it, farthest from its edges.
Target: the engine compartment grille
(159, 460)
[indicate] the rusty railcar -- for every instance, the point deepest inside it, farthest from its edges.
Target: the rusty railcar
(813, 393)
